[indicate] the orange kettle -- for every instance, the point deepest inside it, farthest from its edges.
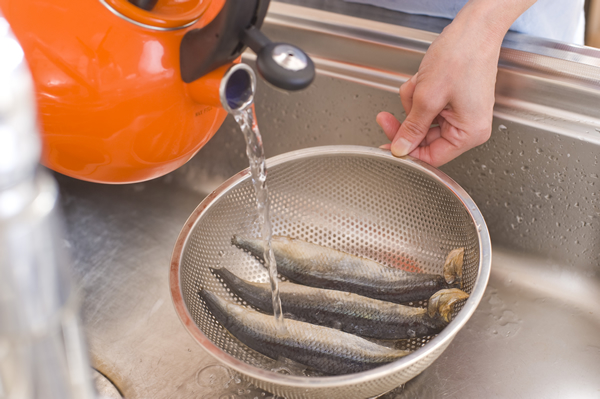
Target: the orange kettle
(129, 90)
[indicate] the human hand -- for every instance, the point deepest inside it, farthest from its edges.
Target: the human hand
(454, 87)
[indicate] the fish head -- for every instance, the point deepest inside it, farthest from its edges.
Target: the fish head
(453, 267)
(443, 303)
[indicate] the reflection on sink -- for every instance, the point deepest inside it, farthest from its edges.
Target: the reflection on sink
(535, 334)
(532, 335)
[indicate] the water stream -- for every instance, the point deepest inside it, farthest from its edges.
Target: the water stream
(246, 118)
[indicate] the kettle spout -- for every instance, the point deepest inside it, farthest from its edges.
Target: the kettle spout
(231, 87)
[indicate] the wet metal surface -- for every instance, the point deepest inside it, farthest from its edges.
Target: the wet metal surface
(535, 332)
(104, 387)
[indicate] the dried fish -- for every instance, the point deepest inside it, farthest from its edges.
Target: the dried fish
(318, 266)
(351, 313)
(325, 349)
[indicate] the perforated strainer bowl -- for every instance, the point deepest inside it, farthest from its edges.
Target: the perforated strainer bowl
(399, 212)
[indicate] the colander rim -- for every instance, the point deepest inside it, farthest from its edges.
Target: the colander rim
(271, 377)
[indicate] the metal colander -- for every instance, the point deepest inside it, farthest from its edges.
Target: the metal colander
(363, 201)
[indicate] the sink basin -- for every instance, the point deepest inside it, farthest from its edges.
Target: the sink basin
(535, 334)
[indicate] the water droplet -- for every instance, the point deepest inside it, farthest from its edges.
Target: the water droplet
(215, 375)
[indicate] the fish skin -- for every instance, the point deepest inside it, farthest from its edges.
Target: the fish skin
(351, 313)
(325, 349)
(318, 266)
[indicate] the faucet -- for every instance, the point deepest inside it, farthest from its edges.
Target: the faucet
(43, 353)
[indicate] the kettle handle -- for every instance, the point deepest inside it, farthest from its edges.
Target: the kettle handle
(281, 64)
(224, 39)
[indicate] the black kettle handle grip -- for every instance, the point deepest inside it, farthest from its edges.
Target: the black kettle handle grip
(281, 64)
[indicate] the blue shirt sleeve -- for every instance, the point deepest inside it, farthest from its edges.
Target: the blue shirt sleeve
(561, 20)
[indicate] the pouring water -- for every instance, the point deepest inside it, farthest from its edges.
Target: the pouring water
(237, 95)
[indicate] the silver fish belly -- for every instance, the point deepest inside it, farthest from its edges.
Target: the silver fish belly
(322, 267)
(325, 349)
(348, 312)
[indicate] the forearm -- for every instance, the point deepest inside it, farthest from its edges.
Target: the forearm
(493, 18)
(454, 85)
(479, 29)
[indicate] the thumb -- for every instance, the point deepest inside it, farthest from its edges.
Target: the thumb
(416, 126)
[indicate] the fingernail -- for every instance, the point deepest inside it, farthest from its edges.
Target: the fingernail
(401, 147)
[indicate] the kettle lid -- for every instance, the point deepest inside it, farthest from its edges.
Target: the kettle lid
(159, 14)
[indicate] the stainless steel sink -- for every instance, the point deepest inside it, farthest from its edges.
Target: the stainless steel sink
(537, 332)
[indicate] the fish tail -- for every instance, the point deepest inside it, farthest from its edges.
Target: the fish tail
(224, 274)
(216, 306)
(256, 295)
(453, 267)
(254, 246)
(237, 241)
(443, 303)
